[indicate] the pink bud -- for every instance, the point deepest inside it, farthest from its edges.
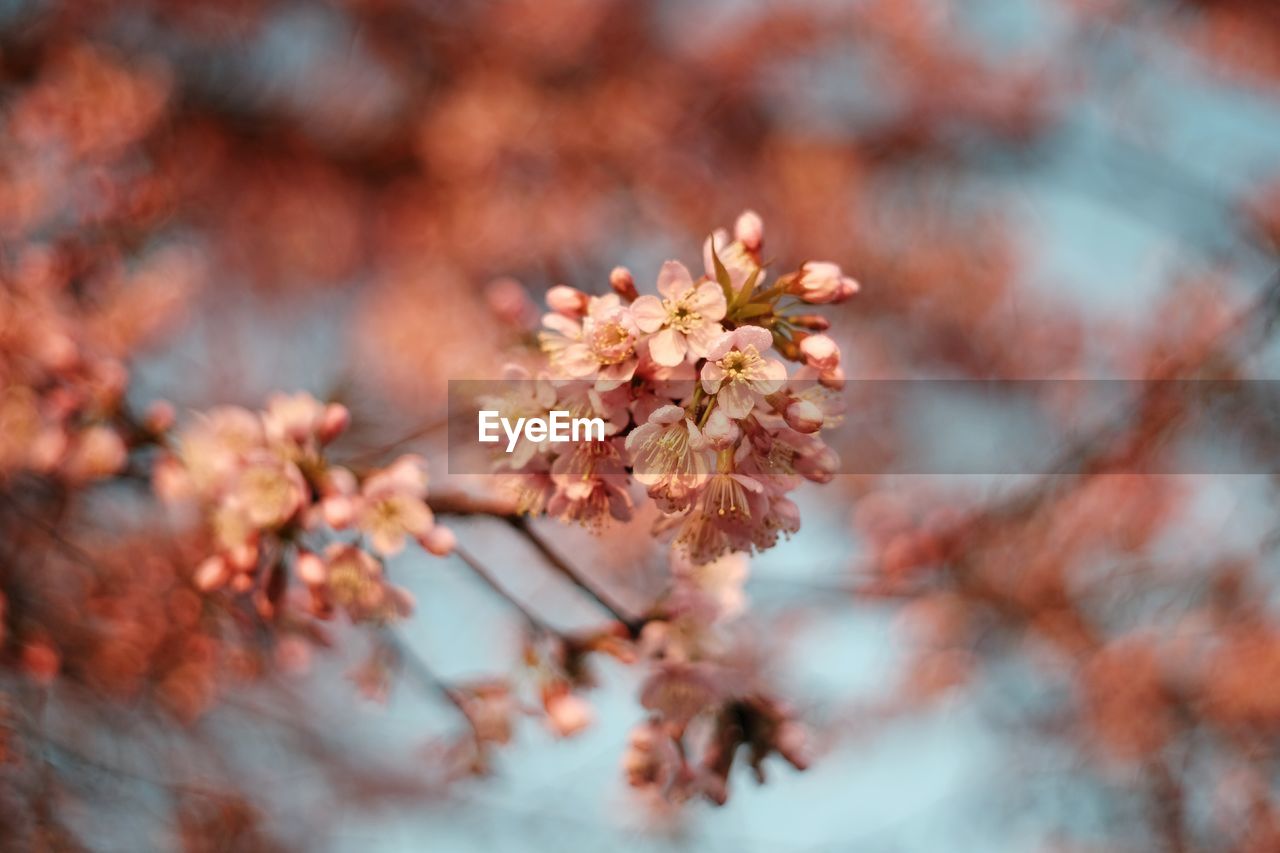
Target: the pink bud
(509, 302)
(439, 541)
(822, 282)
(567, 714)
(339, 481)
(749, 230)
(211, 574)
(338, 511)
(333, 422)
(623, 284)
(721, 430)
(803, 416)
(792, 742)
(567, 300)
(311, 569)
(159, 417)
(820, 352)
(99, 452)
(48, 449)
(57, 352)
(848, 287)
(818, 467)
(243, 558)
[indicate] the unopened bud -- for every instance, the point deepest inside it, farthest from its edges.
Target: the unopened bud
(822, 282)
(787, 348)
(211, 574)
(803, 416)
(812, 322)
(820, 352)
(749, 230)
(623, 284)
(338, 511)
(721, 430)
(159, 417)
(509, 302)
(310, 568)
(333, 422)
(567, 300)
(439, 541)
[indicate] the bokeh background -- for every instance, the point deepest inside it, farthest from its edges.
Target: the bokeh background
(367, 198)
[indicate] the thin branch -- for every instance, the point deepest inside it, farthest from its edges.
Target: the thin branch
(481, 572)
(606, 601)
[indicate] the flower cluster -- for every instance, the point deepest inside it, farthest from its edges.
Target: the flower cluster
(262, 485)
(705, 699)
(59, 400)
(692, 383)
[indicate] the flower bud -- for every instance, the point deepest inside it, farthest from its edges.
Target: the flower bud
(159, 417)
(338, 511)
(333, 422)
(41, 662)
(509, 302)
(567, 714)
(792, 743)
(833, 379)
(623, 284)
(567, 300)
(818, 467)
(57, 352)
(812, 322)
(439, 541)
(310, 568)
(211, 574)
(821, 282)
(820, 352)
(749, 230)
(99, 452)
(803, 416)
(721, 430)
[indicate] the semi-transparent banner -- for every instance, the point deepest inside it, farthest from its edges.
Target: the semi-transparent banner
(917, 426)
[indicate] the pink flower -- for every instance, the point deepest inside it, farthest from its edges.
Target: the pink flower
(736, 370)
(356, 584)
(686, 319)
(393, 505)
(668, 455)
(98, 452)
(213, 448)
(651, 759)
(292, 417)
(269, 490)
(590, 485)
(722, 519)
(822, 282)
(602, 346)
(681, 691)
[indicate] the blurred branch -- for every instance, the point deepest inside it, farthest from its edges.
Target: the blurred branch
(633, 624)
